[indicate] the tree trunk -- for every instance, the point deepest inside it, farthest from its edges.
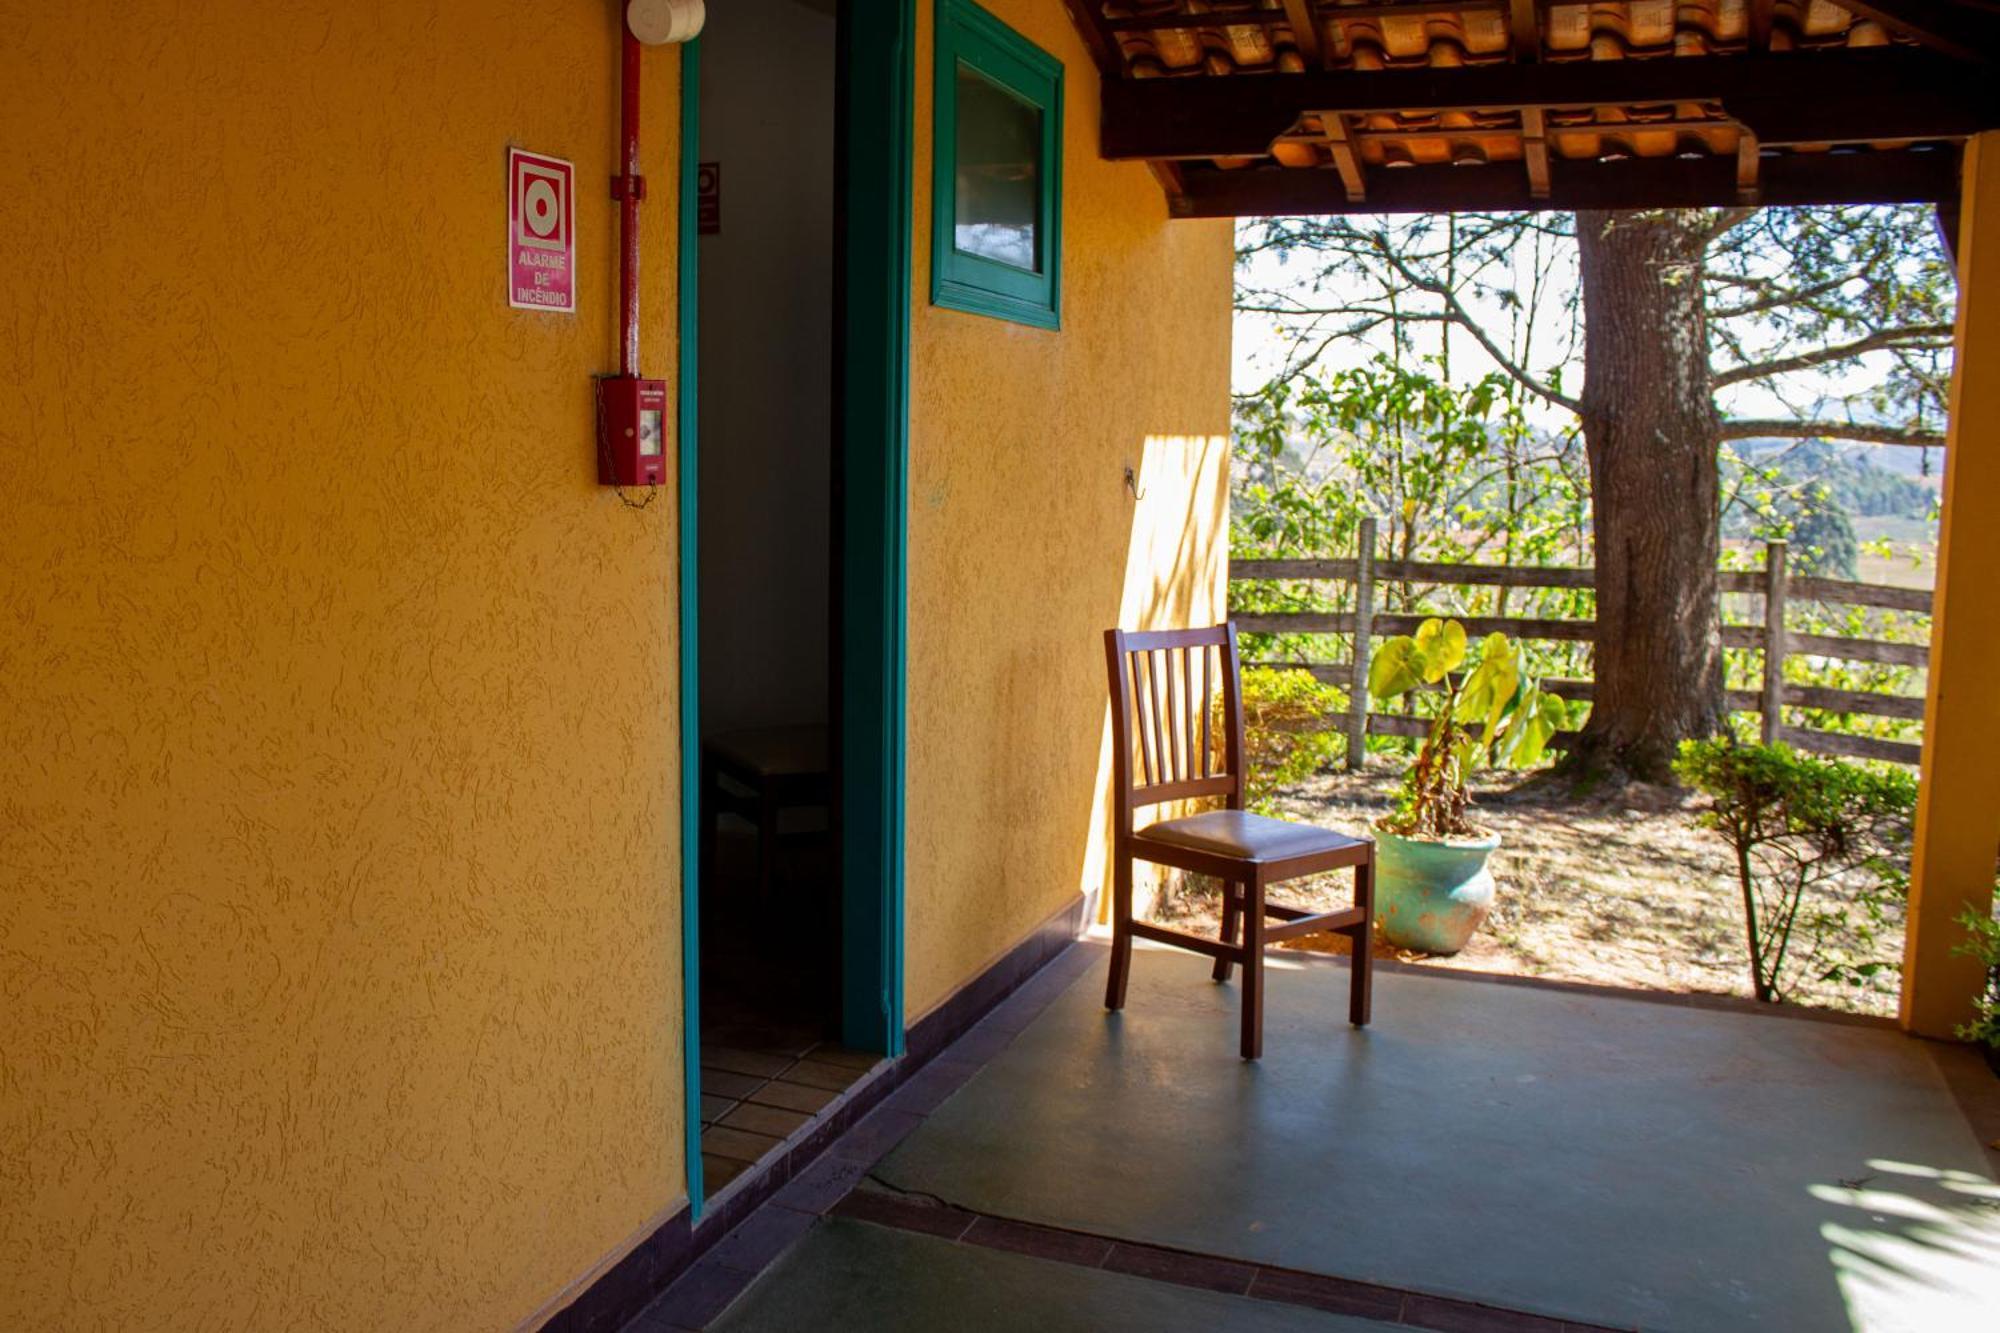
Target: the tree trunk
(1651, 433)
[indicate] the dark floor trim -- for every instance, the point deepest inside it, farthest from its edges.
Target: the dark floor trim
(1734, 1004)
(630, 1284)
(1083, 1249)
(948, 1021)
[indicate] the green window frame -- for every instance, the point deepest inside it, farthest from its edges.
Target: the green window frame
(972, 41)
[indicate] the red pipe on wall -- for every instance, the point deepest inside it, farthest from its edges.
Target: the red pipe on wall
(631, 189)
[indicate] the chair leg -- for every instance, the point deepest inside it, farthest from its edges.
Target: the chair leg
(1253, 968)
(1232, 918)
(1361, 980)
(1121, 930)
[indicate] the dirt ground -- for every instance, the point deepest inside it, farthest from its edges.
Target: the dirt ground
(1620, 891)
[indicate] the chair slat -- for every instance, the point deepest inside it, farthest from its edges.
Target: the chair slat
(1139, 721)
(1159, 735)
(1207, 747)
(1187, 713)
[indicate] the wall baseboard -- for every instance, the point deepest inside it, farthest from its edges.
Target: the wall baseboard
(629, 1285)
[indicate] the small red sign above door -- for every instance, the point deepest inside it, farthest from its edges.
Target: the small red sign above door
(541, 232)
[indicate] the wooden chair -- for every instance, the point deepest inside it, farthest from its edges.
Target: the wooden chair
(1164, 751)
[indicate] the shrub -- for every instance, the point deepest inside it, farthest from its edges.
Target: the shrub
(1289, 731)
(1821, 849)
(1983, 942)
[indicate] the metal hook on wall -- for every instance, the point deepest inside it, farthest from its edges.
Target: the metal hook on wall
(1132, 483)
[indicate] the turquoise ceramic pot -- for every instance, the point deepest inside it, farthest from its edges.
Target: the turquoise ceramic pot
(1432, 895)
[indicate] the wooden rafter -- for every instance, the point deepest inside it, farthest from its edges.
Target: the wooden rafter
(1305, 31)
(1110, 61)
(1749, 158)
(1346, 161)
(1182, 20)
(1886, 94)
(1088, 16)
(1964, 31)
(1535, 150)
(1925, 176)
(1524, 30)
(1761, 15)
(1540, 128)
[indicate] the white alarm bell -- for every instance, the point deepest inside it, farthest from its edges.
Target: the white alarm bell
(664, 22)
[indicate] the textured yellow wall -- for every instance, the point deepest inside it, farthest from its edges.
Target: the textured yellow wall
(1025, 544)
(339, 966)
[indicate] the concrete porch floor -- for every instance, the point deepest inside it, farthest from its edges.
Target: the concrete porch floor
(1537, 1151)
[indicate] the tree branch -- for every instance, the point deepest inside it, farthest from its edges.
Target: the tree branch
(1874, 342)
(1861, 432)
(1461, 317)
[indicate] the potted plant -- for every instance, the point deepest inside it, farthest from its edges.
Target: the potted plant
(1433, 888)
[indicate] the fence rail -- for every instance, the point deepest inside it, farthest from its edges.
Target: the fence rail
(1774, 584)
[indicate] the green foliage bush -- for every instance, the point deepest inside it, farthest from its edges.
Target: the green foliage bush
(1821, 855)
(1983, 942)
(1288, 731)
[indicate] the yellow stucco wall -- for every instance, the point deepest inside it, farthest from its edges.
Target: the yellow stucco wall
(1958, 810)
(1025, 543)
(339, 966)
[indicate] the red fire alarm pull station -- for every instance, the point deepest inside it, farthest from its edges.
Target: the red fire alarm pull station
(631, 431)
(631, 409)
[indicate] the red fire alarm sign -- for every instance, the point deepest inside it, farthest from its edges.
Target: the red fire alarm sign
(541, 232)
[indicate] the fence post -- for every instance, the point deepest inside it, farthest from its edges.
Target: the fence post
(1774, 641)
(1364, 629)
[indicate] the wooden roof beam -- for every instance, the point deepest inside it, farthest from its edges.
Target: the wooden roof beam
(1925, 176)
(1749, 158)
(1886, 93)
(1762, 20)
(1345, 160)
(1524, 28)
(1088, 16)
(1305, 31)
(1535, 150)
(1182, 21)
(1962, 31)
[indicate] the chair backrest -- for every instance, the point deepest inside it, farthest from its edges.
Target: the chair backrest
(1164, 737)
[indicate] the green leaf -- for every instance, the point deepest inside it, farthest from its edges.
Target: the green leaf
(1395, 669)
(1440, 648)
(1490, 686)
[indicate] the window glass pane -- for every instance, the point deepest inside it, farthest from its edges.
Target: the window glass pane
(999, 173)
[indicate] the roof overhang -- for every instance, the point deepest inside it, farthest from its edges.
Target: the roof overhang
(1256, 107)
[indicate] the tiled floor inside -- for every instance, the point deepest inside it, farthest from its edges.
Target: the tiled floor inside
(770, 995)
(751, 1100)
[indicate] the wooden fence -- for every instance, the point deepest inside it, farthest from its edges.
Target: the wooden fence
(1773, 584)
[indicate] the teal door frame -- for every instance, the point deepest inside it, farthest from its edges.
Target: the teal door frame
(687, 479)
(874, 130)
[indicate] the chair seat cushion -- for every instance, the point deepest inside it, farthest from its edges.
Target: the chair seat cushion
(774, 752)
(1248, 837)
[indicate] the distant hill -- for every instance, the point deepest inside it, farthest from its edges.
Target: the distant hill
(1863, 480)
(1923, 466)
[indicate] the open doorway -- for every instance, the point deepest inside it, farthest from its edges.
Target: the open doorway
(770, 956)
